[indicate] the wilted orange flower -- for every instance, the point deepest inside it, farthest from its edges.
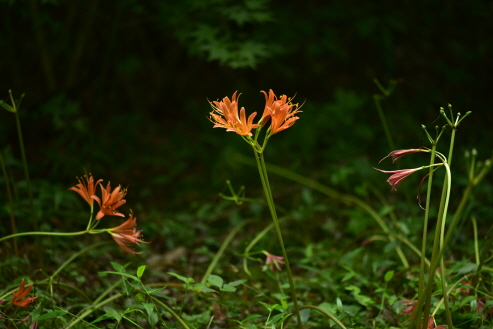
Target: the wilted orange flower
(86, 187)
(431, 324)
(280, 111)
(398, 176)
(110, 201)
(410, 306)
(273, 260)
(21, 293)
(225, 115)
(400, 153)
(126, 235)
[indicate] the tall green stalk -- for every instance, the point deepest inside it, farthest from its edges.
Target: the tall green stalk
(346, 199)
(11, 203)
(416, 319)
(26, 172)
(14, 108)
(268, 195)
(386, 92)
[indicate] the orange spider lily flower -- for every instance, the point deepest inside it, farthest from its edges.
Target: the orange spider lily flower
(22, 293)
(273, 260)
(110, 201)
(398, 176)
(280, 111)
(86, 188)
(400, 153)
(225, 115)
(126, 235)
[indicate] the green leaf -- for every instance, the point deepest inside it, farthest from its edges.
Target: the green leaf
(228, 288)
(305, 315)
(151, 313)
(50, 315)
(348, 276)
(339, 304)
(251, 317)
(121, 273)
(182, 278)
(7, 107)
(208, 290)
(139, 298)
(178, 276)
(161, 295)
(235, 283)
(113, 314)
(215, 280)
(117, 267)
(154, 290)
(274, 319)
(141, 270)
(388, 276)
(269, 307)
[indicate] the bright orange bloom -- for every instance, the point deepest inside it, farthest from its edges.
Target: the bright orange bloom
(127, 235)
(87, 188)
(280, 111)
(22, 293)
(110, 201)
(225, 115)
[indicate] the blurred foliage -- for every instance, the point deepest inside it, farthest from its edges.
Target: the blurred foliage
(121, 87)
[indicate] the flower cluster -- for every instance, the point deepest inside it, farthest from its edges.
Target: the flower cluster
(280, 111)
(125, 235)
(399, 175)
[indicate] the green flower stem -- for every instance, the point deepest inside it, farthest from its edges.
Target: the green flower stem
(438, 244)
(268, 195)
(107, 291)
(377, 99)
(163, 305)
(324, 312)
(77, 254)
(476, 245)
(104, 294)
(253, 243)
(11, 203)
(331, 193)
(64, 285)
(221, 250)
(90, 218)
(473, 181)
(442, 247)
(484, 254)
(45, 233)
(92, 309)
(26, 170)
(406, 241)
(415, 321)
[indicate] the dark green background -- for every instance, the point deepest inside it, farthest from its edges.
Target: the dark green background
(121, 87)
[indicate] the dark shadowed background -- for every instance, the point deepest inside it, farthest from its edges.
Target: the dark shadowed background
(121, 88)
